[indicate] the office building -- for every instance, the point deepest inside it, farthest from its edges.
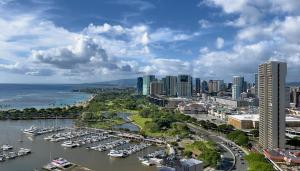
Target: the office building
(204, 86)
(295, 96)
(184, 86)
(139, 86)
(198, 85)
(237, 87)
(271, 81)
(214, 86)
(146, 84)
(171, 86)
(256, 84)
(236, 92)
(220, 85)
(156, 88)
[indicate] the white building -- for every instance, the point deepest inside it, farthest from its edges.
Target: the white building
(271, 81)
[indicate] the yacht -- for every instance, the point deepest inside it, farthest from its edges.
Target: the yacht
(23, 151)
(31, 131)
(70, 144)
(6, 147)
(118, 154)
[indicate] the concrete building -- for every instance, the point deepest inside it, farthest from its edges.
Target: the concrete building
(139, 86)
(236, 92)
(146, 84)
(156, 88)
(214, 86)
(271, 81)
(171, 86)
(295, 96)
(190, 165)
(198, 85)
(184, 86)
(251, 121)
(256, 84)
(237, 87)
(204, 86)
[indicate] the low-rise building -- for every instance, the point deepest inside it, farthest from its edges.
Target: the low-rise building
(192, 108)
(250, 121)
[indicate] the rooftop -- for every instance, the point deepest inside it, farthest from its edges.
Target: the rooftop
(255, 117)
(190, 162)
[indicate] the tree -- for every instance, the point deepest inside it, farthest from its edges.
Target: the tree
(254, 132)
(294, 142)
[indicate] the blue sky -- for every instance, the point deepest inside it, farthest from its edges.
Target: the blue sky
(75, 41)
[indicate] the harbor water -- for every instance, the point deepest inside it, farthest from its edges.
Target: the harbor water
(43, 151)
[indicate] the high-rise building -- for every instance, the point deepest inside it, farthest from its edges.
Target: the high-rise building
(171, 85)
(271, 81)
(220, 85)
(214, 86)
(256, 83)
(237, 87)
(146, 84)
(236, 92)
(295, 96)
(139, 86)
(198, 85)
(204, 86)
(184, 86)
(156, 87)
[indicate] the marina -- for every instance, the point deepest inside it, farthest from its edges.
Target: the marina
(8, 154)
(43, 151)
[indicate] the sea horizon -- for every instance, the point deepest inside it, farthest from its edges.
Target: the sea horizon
(21, 96)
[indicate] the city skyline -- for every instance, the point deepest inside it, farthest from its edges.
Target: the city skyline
(57, 42)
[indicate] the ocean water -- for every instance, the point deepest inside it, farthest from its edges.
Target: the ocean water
(20, 96)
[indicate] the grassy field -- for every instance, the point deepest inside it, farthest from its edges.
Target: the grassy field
(140, 121)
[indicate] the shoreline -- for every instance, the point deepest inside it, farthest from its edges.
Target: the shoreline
(83, 103)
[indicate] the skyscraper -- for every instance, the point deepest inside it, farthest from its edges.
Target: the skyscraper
(146, 84)
(171, 85)
(198, 85)
(184, 86)
(237, 87)
(204, 86)
(156, 87)
(271, 81)
(256, 83)
(236, 92)
(139, 86)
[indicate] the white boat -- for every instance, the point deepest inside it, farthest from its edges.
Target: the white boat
(31, 131)
(70, 144)
(147, 163)
(118, 154)
(6, 147)
(23, 151)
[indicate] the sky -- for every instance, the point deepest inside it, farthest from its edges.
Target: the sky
(81, 41)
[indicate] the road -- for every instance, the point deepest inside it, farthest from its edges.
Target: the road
(232, 155)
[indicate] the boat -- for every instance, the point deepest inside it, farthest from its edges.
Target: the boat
(70, 144)
(2, 158)
(61, 163)
(147, 163)
(117, 154)
(31, 131)
(23, 151)
(6, 147)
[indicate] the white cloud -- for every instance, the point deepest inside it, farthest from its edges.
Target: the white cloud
(219, 42)
(205, 23)
(163, 66)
